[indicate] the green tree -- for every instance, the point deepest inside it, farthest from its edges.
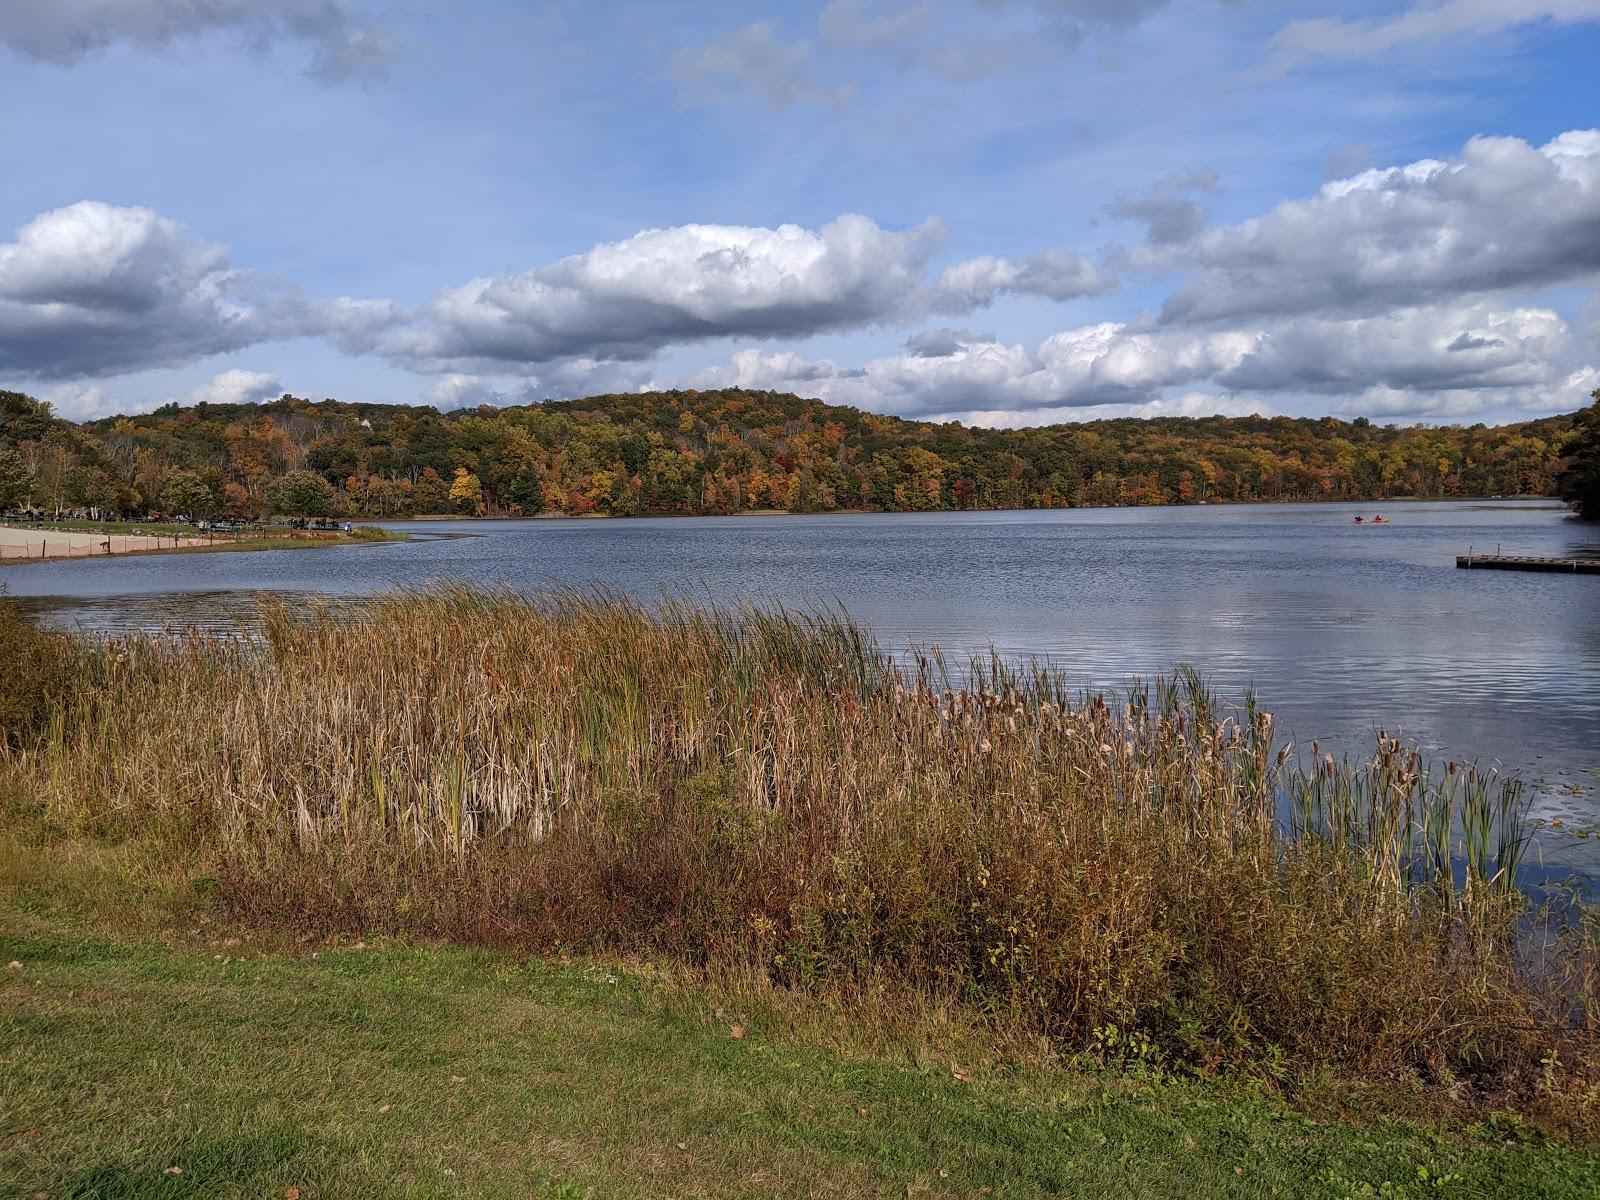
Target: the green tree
(301, 494)
(1580, 480)
(187, 494)
(13, 479)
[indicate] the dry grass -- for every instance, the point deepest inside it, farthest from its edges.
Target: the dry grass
(1146, 878)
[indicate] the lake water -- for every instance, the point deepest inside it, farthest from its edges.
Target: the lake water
(1342, 629)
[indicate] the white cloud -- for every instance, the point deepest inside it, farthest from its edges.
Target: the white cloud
(93, 289)
(1567, 394)
(80, 401)
(234, 386)
(1421, 24)
(1186, 404)
(626, 300)
(89, 401)
(1504, 215)
(1429, 349)
(755, 59)
(1098, 364)
(1054, 273)
(464, 391)
(661, 287)
(345, 41)
(566, 380)
(1524, 354)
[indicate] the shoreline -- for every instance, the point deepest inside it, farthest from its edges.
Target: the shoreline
(20, 546)
(1554, 502)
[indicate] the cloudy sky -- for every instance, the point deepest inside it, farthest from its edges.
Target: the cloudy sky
(1001, 211)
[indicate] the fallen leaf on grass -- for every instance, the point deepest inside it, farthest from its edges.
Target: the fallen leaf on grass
(174, 1171)
(13, 965)
(291, 1193)
(736, 1031)
(962, 1074)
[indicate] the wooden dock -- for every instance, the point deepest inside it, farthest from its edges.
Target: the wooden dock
(1527, 562)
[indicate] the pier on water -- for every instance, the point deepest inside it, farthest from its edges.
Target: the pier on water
(1527, 562)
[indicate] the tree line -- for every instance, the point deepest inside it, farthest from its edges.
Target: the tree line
(727, 451)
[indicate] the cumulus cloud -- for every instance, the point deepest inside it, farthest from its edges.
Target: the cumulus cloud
(1420, 25)
(1054, 273)
(1420, 280)
(464, 391)
(1504, 215)
(1427, 349)
(1098, 364)
(1167, 208)
(94, 289)
(345, 41)
(1571, 391)
(942, 343)
(566, 380)
(626, 300)
(234, 386)
(1524, 354)
(755, 59)
(1185, 404)
(80, 401)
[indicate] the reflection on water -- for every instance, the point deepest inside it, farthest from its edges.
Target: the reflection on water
(1342, 629)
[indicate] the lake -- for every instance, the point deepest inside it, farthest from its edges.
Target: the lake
(1341, 629)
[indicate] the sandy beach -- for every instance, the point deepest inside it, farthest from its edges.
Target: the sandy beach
(19, 543)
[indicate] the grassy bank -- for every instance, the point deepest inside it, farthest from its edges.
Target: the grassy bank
(1148, 880)
(149, 1049)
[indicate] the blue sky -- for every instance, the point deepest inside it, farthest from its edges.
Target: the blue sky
(1003, 211)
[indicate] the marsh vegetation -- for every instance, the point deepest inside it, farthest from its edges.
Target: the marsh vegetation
(1147, 878)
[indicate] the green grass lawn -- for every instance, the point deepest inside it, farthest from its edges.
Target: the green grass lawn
(195, 1065)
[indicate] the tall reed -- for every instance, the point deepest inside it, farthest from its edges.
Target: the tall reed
(744, 786)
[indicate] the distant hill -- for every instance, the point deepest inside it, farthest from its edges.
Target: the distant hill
(735, 451)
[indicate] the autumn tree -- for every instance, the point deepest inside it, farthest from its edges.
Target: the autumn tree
(430, 494)
(1580, 479)
(466, 493)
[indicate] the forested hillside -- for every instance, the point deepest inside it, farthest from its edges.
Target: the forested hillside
(724, 452)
